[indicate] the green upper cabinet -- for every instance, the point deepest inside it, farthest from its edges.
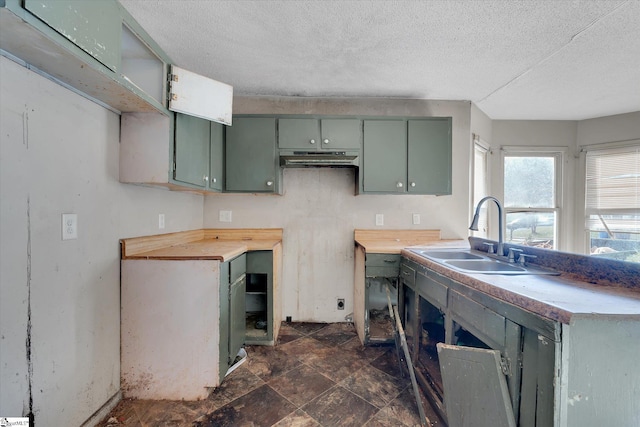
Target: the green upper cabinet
(429, 150)
(191, 155)
(251, 163)
(94, 26)
(407, 156)
(315, 134)
(216, 159)
(384, 156)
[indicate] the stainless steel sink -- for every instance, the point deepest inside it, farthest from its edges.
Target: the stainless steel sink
(451, 254)
(486, 266)
(467, 261)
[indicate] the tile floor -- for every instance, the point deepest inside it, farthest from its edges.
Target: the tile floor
(317, 375)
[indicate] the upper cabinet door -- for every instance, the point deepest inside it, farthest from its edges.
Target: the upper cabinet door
(200, 96)
(192, 150)
(94, 26)
(341, 134)
(216, 160)
(301, 134)
(465, 371)
(429, 156)
(385, 156)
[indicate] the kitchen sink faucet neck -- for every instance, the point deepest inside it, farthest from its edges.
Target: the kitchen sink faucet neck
(476, 219)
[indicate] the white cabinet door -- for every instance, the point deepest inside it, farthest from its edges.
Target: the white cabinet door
(200, 96)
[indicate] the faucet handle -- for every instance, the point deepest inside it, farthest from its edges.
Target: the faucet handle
(512, 254)
(522, 259)
(490, 249)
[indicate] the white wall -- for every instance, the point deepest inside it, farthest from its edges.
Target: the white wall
(319, 209)
(59, 154)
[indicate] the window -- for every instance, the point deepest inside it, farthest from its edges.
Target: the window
(532, 183)
(612, 202)
(480, 182)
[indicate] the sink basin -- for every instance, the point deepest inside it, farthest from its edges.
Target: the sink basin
(453, 254)
(486, 266)
(468, 262)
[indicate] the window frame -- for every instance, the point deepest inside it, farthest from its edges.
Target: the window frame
(479, 145)
(559, 154)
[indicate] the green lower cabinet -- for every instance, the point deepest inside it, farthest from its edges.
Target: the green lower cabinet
(232, 311)
(251, 163)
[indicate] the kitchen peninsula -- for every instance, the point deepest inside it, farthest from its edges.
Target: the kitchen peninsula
(183, 307)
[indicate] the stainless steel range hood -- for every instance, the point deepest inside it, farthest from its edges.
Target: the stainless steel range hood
(317, 159)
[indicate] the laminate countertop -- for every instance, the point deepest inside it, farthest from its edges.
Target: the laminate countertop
(557, 298)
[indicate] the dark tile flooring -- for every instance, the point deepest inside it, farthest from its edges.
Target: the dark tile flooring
(318, 374)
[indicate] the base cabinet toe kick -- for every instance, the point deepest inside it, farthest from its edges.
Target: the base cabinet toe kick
(540, 372)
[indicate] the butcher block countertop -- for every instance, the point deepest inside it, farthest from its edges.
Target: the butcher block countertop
(204, 244)
(394, 241)
(557, 298)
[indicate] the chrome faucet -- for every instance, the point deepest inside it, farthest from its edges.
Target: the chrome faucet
(476, 218)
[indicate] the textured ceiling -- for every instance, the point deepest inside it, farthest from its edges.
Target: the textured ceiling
(533, 60)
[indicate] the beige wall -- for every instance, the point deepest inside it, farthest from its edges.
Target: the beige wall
(319, 210)
(59, 154)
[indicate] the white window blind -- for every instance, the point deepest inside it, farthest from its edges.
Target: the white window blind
(612, 201)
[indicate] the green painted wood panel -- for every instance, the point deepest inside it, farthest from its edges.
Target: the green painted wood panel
(340, 134)
(223, 302)
(250, 156)
(94, 26)
(384, 166)
(429, 149)
(216, 157)
(192, 140)
(299, 134)
(485, 324)
(237, 324)
(475, 390)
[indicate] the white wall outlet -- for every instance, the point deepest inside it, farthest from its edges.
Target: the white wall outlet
(69, 226)
(416, 219)
(379, 219)
(160, 221)
(224, 216)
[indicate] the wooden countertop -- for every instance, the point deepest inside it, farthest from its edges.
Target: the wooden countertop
(554, 297)
(205, 244)
(394, 241)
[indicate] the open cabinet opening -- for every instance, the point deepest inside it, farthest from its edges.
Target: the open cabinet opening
(256, 306)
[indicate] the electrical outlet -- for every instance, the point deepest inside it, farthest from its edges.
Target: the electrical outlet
(160, 221)
(340, 303)
(379, 219)
(224, 216)
(69, 226)
(416, 219)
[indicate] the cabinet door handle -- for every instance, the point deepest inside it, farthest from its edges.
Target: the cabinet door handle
(269, 183)
(413, 184)
(312, 141)
(205, 178)
(325, 141)
(399, 185)
(390, 260)
(214, 180)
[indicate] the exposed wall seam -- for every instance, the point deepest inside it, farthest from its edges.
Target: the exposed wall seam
(554, 53)
(28, 343)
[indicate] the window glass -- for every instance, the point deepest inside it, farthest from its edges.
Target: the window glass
(612, 203)
(531, 198)
(529, 181)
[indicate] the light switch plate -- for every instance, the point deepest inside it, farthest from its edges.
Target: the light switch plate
(224, 216)
(69, 226)
(379, 219)
(416, 219)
